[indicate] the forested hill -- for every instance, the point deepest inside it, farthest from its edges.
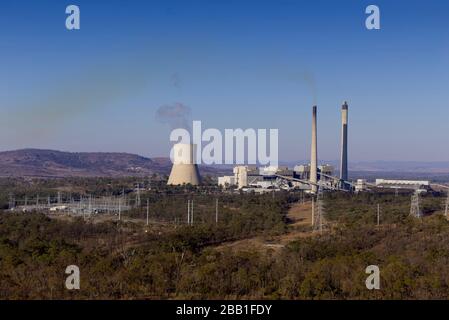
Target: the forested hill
(51, 163)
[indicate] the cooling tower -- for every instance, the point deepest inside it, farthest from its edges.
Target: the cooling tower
(185, 169)
(344, 145)
(314, 153)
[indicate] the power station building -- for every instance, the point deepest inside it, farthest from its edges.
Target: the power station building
(310, 177)
(303, 172)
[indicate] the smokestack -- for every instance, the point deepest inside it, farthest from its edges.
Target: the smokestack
(185, 169)
(344, 145)
(314, 153)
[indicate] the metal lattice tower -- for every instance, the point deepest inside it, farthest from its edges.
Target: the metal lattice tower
(415, 210)
(318, 213)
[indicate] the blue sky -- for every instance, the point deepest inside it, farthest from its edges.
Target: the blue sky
(236, 64)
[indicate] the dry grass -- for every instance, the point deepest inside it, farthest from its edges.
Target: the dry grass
(299, 218)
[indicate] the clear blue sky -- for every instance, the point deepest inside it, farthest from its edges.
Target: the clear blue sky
(241, 63)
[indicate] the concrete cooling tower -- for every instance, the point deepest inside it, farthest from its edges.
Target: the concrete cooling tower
(185, 169)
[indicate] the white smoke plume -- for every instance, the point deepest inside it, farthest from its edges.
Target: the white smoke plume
(176, 115)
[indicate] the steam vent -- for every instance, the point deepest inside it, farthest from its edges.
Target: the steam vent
(185, 169)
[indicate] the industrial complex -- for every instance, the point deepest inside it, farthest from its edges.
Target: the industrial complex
(308, 177)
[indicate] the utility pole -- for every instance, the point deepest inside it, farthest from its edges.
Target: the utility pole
(11, 202)
(83, 208)
(119, 209)
(378, 214)
(138, 195)
(446, 209)
(313, 211)
(188, 212)
(191, 216)
(216, 211)
(148, 209)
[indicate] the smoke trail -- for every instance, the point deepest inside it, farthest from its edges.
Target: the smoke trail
(176, 115)
(307, 78)
(38, 117)
(175, 80)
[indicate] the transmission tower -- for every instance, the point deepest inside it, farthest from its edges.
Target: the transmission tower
(318, 213)
(415, 210)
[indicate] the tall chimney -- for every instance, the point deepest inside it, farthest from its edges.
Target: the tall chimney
(313, 154)
(344, 145)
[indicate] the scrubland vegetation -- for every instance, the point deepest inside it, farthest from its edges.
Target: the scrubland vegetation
(127, 260)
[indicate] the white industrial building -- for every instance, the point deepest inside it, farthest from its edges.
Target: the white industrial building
(303, 172)
(272, 178)
(360, 185)
(226, 181)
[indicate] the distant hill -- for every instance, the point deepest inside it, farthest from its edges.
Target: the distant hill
(51, 163)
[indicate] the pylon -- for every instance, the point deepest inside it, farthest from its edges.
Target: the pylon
(318, 213)
(415, 210)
